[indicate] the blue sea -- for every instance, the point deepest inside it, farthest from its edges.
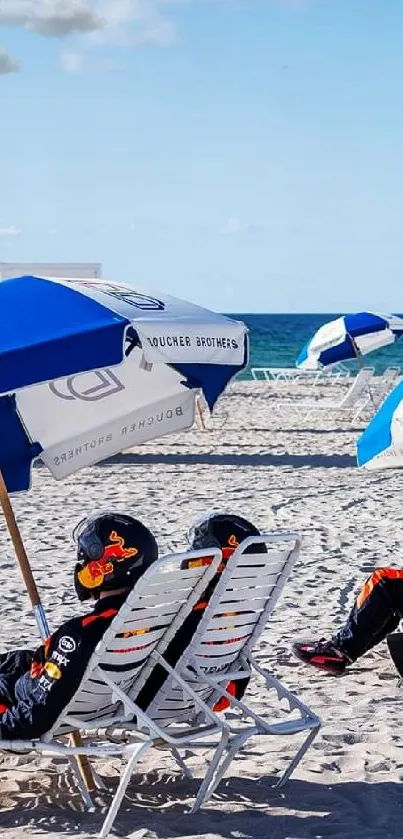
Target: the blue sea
(276, 340)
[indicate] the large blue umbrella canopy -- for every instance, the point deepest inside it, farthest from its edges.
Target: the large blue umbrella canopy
(381, 444)
(349, 337)
(89, 368)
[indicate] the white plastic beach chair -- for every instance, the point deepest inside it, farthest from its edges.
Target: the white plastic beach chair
(145, 624)
(221, 650)
(370, 391)
(288, 374)
(354, 401)
(380, 388)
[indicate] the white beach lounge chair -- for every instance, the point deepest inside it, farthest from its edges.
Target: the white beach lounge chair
(288, 374)
(145, 624)
(380, 388)
(353, 403)
(366, 393)
(222, 650)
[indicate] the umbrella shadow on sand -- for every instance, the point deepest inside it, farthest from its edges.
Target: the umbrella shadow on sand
(312, 461)
(157, 805)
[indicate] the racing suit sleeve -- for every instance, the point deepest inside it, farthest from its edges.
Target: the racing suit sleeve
(55, 675)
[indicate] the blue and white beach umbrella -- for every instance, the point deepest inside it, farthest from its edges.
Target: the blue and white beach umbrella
(381, 444)
(90, 368)
(349, 337)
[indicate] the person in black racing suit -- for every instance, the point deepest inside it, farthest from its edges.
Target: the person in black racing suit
(113, 550)
(225, 531)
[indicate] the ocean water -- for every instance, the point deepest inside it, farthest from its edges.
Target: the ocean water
(276, 341)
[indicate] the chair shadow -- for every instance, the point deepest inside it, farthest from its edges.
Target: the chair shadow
(313, 461)
(157, 804)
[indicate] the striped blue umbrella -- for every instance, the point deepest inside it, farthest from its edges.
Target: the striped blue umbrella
(349, 337)
(381, 444)
(90, 368)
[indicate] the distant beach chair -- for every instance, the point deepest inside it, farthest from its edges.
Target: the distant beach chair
(287, 374)
(353, 402)
(381, 387)
(146, 623)
(221, 650)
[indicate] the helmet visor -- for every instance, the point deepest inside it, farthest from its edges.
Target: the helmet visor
(200, 524)
(90, 519)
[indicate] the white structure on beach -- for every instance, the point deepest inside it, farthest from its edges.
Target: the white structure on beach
(84, 270)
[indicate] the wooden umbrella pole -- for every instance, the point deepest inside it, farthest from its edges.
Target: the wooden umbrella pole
(200, 413)
(39, 612)
(23, 561)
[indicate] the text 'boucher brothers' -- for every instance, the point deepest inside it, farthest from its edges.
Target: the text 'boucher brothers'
(196, 341)
(126, 430)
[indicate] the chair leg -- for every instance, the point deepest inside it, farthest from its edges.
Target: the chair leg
(181, 763)
(84, 792)
(98, 780)
(204, 790)
(296, 759)
(237, 744)
(119, 795)
(361, 408)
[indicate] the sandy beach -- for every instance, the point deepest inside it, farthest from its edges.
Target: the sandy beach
(281, 472)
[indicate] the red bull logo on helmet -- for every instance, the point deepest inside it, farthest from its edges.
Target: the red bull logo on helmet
(93, 574)
(232, 544)
(226, 551)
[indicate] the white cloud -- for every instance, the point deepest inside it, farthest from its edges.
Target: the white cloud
(135, 21)
(12, 230)
(72, 62)
(235, 227)
(115, 22)
(7, 64)
(51, 17)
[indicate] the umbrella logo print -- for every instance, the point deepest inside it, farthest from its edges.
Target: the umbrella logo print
(105, 383)
(127, 295)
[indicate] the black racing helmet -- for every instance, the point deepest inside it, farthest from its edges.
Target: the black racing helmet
(222, 530)
(113, 551)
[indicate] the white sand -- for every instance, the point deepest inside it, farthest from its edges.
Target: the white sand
(273, 469)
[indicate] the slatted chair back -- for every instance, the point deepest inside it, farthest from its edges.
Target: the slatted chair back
(148, 619)
(242, 602)
(359, 387)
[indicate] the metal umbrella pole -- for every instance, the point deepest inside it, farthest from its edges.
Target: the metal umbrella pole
(39, 612)
(356, 350)
(360, 364)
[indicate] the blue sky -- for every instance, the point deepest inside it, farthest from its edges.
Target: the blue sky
(246, 155)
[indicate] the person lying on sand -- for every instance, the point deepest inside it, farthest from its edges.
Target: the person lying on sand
(113, 551)
(377, 612)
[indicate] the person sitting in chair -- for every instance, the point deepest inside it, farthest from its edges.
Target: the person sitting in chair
(113, 551)
(376, 612)
(212, 530)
